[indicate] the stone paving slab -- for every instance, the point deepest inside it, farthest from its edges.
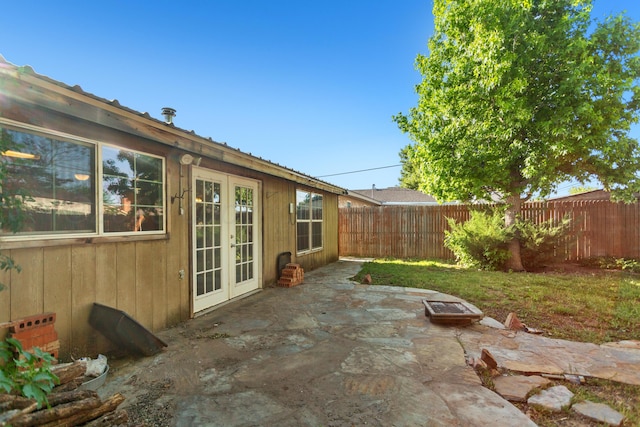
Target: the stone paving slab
(553, 399)
(531, 353)
(515, 388)
(599, 412)
(327, 352)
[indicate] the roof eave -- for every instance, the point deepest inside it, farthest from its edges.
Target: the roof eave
(142, 124)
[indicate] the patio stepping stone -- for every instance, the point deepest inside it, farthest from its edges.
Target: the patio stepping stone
(599, 412)
(492, 323)
(516, 387)
(553, 399)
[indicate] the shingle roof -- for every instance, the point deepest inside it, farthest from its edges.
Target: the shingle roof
(397, 195)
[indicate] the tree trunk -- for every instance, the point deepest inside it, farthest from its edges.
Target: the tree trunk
(514, 263)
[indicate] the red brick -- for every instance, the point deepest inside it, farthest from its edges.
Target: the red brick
(36, 337)
(34, 332)
(35, 321)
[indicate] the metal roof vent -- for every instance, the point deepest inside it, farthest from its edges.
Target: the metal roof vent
(168, 113)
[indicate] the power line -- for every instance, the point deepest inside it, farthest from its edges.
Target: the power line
(358, 171)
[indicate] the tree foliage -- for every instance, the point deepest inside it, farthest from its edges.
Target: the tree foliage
(520, 96)
(408, 176)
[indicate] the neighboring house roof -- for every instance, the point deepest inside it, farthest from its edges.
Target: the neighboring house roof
(220, 151)
(587, 195)
(396, 196)
(351, 194)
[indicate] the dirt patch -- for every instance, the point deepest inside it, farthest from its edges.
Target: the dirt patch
(571, 268)
(149, 409)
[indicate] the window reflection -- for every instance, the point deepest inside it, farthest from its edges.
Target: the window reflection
(132, 191)
(58, 176)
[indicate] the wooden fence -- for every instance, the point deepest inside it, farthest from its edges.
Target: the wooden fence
(598, 228)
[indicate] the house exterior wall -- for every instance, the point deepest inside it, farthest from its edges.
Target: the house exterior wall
(354, 202)
(136, 274)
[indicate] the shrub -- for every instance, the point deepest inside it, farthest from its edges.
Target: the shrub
(539, 242)
(481, 242)
(612, 263)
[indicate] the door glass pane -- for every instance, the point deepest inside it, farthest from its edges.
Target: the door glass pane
(210, 284)
(216, 235)
(200, 284)
(208, 228)
(199, 214)
(199, 238)
(243, 238)
(200, 260)
(209, 262)
(208, 192)
(218, 279)
(216, 215)
(218, 258)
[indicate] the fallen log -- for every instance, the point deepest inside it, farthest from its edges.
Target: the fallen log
(69, 371)
(13, 401)
(64, 410)
(5, 416)
(69, 386)
(83, 416)
(10, 401)
(114, 418)
(70, 396)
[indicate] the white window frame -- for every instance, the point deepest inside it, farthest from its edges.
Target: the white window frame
(310, 221)
(98, 193)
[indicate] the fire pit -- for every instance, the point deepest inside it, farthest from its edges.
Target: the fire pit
(451, 312)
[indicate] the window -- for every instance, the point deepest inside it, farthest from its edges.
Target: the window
(308, 221)
(60, 177)
(132, 190)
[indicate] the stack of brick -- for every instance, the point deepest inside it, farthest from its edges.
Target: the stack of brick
(37, 331)
(292, 275)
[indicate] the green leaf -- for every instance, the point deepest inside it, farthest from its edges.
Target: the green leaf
(32, 391)
(6, 382)
(519, 97)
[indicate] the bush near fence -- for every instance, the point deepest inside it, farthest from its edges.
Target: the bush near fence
(599, 228)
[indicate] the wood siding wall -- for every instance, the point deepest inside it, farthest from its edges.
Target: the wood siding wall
(136, 274)
(132, 274)
(599, 228)
(141, 277)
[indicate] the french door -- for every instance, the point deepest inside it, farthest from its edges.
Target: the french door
(226, 237)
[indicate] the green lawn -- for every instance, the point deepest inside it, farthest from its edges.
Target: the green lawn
(590, 307)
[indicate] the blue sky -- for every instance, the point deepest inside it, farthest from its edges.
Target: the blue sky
(308, 85)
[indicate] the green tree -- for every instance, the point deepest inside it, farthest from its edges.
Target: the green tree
(518, 96)
(408, 176)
